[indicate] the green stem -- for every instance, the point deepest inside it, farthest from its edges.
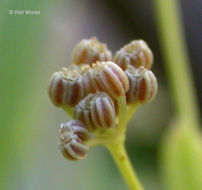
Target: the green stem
(121, 127)
(115, 144)
(97, 141)
(120, 156)
(131, 110)
(176, 59)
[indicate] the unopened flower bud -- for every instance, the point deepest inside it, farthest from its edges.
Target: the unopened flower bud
(111, 78)
(82, 112)
(73, 136)
(147, 87)
(137, 53)
(143, 85)
(89, 51)
(66, 87)
(91, 85)
(96, 111)
(131, 94)
(103, 110)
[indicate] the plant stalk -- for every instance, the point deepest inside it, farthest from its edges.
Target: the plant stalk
(120, 156)
(173, 44)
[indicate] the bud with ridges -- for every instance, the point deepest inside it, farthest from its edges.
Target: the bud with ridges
(82, 112)
(136, 53)
(91, 85)
(89, 51)
(111, 78)
(143, 85)
(147, 87)
(73, 136)
(131, 94)
(96, 111)
(66, 87)
(103, 111)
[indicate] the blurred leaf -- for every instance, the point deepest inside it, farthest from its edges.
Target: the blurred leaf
(21, 40)
(181, 156)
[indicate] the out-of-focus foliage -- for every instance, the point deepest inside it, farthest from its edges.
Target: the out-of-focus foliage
(181, 152)
(21, 38)
(182, 158)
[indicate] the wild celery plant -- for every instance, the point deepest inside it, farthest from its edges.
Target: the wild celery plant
(181, 150)
(101, 94)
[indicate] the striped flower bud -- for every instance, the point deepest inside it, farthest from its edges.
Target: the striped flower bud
(96, 111)
(73, 136)
(66, 87)
(137, 53)
(111, 78)
(131, 94)
(82, 112)
(89, 51)
(143, 85)
(91, 86)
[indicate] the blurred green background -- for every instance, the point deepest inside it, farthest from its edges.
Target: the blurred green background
(32, 47)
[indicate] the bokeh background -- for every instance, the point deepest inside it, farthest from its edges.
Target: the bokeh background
(32, 47)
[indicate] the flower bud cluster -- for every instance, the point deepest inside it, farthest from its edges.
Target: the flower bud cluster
(136, 60)
(92, 86)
